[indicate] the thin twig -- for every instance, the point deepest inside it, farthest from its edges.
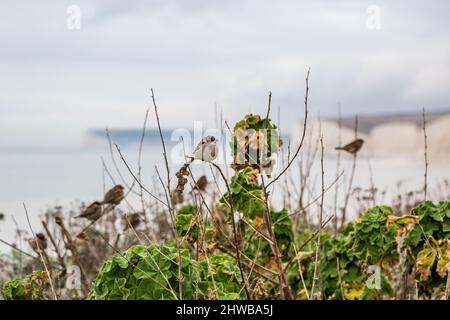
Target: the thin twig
(318, 245)
(55, 246)
(115, 163)
(312, 237)
(72, 248)
(338, 167)
(313, 201)
(286, 289)
(141, 190)
(20, 250)
(40, 253)
(298, 258)
(136, 179)
(168, 198)
(425, 175)
(238, 253)
(303, 133)
(269, 104)
(352, 175)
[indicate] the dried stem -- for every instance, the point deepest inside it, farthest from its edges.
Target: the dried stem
(168, 197)
(350, 183)
(425, 154)
(136, 179)
(55, 246)
(269, 104)
(141, 190)
(40, 250)
(286, 289)
(72, 248)
(297, 151)
(318, 245)
(238, 253)
(338, 167)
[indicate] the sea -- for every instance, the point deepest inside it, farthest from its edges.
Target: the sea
(40, 179)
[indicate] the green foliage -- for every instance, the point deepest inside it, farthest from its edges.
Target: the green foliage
(429, 244)
(32, 287)
(247, 196)
(188, 227)
(434, 221)
(372, 239)
(345, 257)
(282, 228)
(375, 240)
(152, 273)
(186, 222)
(254, 140)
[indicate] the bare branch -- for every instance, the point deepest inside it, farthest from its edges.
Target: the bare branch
(40, 253)
(303, 133)
(425, 138)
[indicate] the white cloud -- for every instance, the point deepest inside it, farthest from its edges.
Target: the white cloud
(226, 52)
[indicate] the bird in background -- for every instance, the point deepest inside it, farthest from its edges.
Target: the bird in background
(176, 197)
(114, 196)
(206, 150)
(132, 220)
(38, 243)
(93, 212)
(201, 183)
(353, 147)
(81, 243)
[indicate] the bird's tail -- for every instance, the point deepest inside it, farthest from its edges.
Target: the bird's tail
(339, 148)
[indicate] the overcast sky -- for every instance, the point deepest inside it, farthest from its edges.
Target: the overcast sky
(56, 82)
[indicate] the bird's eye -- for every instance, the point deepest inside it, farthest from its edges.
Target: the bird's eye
(213, 139)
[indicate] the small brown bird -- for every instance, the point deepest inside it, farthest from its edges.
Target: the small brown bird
(40, 242)
(201, 183)
(353, 147)
(81, 243)
(133, 220)
(93, 212)
(114, 196)
(176, 197)
(2, 216)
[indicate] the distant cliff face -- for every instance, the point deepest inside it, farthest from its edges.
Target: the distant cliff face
(391, 139)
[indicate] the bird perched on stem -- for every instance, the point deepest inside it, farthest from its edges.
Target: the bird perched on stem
(201, 183)
(81, 243)
(133, 220)
(353, 147)
(93, 212)
(206, 150)
(114, 196)
(38, 243)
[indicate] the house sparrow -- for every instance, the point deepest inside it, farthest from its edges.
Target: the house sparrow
(81, 243)
(133, 220)
(206, 150)
(93, 212)
(176, 197)
(201, 183)
(353, 147)
(40, 242)
(114, 196)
